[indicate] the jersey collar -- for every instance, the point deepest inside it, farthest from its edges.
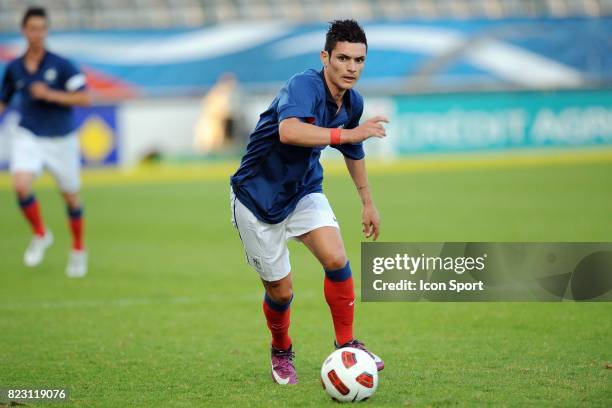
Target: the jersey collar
(40, 64)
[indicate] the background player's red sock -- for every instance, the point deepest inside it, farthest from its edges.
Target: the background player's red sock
(31, 211)
(75, 217)
(277, 316)
(340, 296)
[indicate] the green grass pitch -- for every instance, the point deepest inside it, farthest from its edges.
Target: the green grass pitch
(170, 314)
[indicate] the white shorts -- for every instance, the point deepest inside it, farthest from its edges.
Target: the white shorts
(265, 245)
(59, 155)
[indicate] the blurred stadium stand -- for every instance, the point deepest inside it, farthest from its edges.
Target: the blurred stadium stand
(180, 47)
(405, 56)
(157, 14)
(488, 74)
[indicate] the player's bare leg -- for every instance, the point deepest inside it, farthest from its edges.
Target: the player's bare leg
(23, 183)
(327, 246)
(276, 309)
(42, 239)
(77, 262)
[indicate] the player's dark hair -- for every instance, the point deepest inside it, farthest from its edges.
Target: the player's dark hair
(33, 12)
(344, 30)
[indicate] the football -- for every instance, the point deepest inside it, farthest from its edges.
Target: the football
(349, 375)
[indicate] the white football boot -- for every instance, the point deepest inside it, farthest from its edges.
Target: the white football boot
(77, 263)
(35, 252)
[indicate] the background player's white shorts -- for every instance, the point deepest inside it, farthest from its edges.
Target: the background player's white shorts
(59, 155)
(266, 244)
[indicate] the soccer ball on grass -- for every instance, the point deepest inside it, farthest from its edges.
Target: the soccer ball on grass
(349, 375)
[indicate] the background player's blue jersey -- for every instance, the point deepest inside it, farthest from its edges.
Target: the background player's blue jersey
(274, 176)
(40, 117)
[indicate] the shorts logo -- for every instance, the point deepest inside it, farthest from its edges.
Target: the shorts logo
(50, 75)
(256, 263)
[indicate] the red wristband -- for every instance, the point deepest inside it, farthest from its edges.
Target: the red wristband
(334, 136)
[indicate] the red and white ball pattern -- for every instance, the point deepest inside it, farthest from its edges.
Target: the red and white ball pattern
(349, 375)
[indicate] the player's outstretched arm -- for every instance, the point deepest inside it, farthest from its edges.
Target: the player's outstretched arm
(40, 90)
(370, 218)
(295, 132)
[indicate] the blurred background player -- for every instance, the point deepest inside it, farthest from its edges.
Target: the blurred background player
(216, 126)
(277, 191)
(46, 87)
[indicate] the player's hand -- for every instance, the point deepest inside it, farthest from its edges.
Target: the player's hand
(40, 90)
(371, 221)
(370, 128)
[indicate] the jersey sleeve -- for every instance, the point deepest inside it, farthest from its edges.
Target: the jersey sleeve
(353, 151)
(74, 79)
(297, 99)
(7, 88)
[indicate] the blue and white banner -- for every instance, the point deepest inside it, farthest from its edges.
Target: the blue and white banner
(540, 53)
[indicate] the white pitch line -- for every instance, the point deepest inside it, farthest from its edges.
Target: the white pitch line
(124, 302)
(143, 301)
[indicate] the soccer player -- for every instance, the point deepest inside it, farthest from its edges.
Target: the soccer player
(276, 194)
(46, 87)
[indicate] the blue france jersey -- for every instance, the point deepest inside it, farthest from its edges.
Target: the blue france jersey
(274, 176)
(40, 117)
